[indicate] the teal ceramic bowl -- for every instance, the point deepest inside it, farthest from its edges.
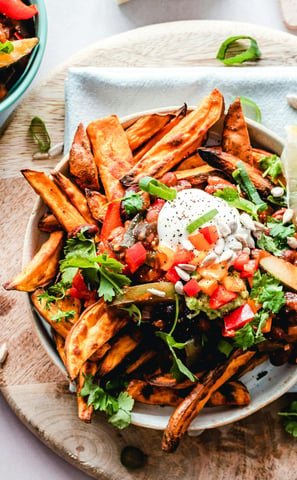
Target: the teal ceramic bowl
(32, 67)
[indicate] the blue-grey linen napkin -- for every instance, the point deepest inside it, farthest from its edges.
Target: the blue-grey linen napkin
(92, 93)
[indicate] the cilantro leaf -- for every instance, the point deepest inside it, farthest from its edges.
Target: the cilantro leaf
(280, 233)
(272, 166)
(290, 421)
(178, 367)
(134, 312)
(117, 408)
(52, 295)
(267, 243)
(100, 271)
(133, 202)
(232, 197)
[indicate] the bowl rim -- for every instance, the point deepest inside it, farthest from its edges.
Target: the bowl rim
(32, 67)
(153, 416)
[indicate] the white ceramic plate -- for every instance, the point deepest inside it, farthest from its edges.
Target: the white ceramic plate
(265, 383)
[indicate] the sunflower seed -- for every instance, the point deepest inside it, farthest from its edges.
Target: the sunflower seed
(219, 247)
(288, 215)
(247, 221)
(56, 149)
(155, 291)
(187, 244)
(292, 242)
(224, 229)
(40, 156)
(179, 288)
(182, 274)
(209, 259)
(277, 192)
(226, 255)
(3, 352)
(187, 267)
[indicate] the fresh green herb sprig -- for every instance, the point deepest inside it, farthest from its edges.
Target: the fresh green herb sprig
(272, 166)
(100, 271)
(178, 368)
(290, 420)
(134, 312)
(117, 408)
(276, 241)
(54, 294)
(133, 202)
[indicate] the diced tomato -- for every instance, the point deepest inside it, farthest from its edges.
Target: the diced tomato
(135, 256)
(234, 283)
(182, 256)
(79, 288)
(172, 275)
(208, 285)
(217, 271)
(237, 319)
(241, 261)
(192, 287)
(199, 241)
(220, 297)
(210, 234)
(250, 268)
(154, 210)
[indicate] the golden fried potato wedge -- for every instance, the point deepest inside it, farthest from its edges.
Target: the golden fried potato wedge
(21, 48)
(231, 393)
(43, 267)
(99, 354)
(60, 344)
(181, 113)
(226, 162)
(67, 215)
(84, 410)
(119, 350)
(97, 204)
(189, 408)
(112, 153)
(145, 127)
(143, 392)
(48, 312)
(95, 326)
(235, 138)
(180, 142)
(82, 164)
(75, 196)
(193, 161)
(49, 223)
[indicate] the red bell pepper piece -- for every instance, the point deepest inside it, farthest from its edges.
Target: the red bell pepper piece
(17, 10)
(241, 261)
(135, 256)
(220, 297)
(210, 234)
(79, 288)
(192, 287)
(250, 268)
(112, 220)
(172, 275)
(237, 319)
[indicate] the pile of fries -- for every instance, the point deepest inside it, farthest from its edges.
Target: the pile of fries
(103, 338)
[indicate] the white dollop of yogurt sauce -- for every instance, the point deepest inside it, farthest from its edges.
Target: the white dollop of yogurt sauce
(191, 204)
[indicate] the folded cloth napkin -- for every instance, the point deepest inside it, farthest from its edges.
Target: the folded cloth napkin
(92, 93)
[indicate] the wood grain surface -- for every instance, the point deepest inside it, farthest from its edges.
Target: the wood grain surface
(36, 390)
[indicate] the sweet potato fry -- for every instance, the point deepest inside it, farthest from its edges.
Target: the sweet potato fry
(95, 326)
(85, 411)
(49, 223)
(60, 344)
(99, 354)
(143, 358)
(166, 380)
(48, 312)
(66, 214)
(226, 162)
(43, 267)
(97, 204)
(193, 161)
(112, 153)
(178, 116)
(145, 127)
(119, 350)
(143, 392)
(180, 142)
(82, 165)
(197, 176)
(75, 196)
(231, 393)
(182, 417)
(236, 139)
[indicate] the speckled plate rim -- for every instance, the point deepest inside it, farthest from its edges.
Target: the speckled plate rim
(266, 383)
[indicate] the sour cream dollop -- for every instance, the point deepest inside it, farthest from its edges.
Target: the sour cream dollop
(189, 205)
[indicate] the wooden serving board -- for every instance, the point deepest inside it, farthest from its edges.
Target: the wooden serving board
(36, 390)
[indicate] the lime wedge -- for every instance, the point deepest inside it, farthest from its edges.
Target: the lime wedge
(289, 162)
(250, 109)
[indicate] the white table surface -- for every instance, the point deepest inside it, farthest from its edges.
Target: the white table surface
(72, 25)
